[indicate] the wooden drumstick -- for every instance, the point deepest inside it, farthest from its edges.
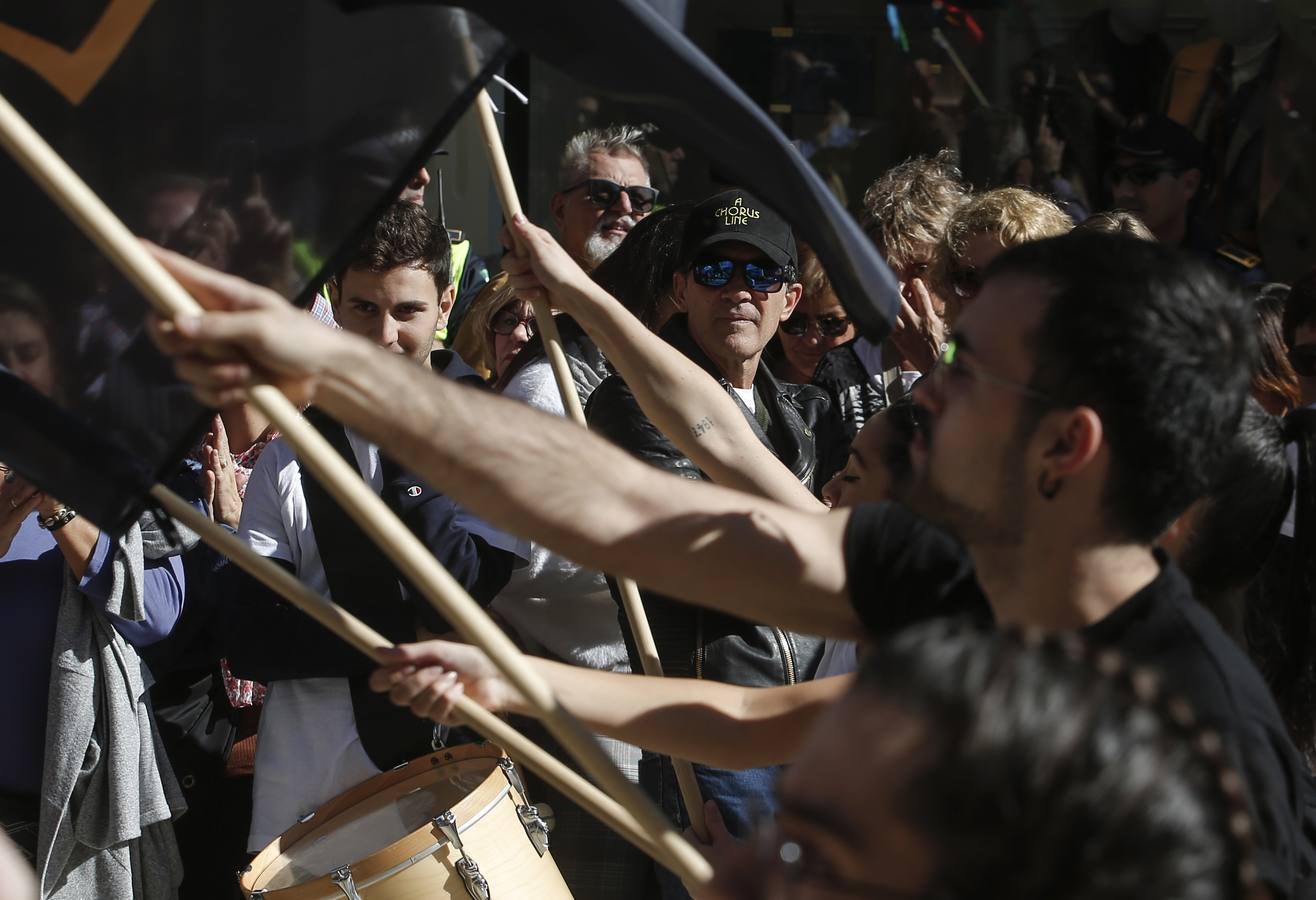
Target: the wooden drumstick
(557, 358)
(364, 638)
(345, 484)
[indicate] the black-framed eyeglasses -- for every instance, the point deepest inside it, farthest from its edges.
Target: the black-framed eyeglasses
(828, 326)
(1140, 174)
(965, 282)
(760, 276)
(952, 367)
(506, 321)
(603, 193)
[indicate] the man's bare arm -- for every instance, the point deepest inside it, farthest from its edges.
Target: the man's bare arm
(524, 471)
(679, 397)
(708, 722)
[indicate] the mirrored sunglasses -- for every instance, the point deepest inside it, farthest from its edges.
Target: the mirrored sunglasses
(759, 276)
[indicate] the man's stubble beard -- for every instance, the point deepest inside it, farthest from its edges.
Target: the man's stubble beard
(997, 522)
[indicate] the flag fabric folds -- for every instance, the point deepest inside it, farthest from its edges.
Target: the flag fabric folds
(258, 137)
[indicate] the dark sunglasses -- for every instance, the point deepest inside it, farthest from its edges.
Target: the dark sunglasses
(1139, 174)
(507, 322)
(716, 273)
(966, 282)
(603, 193)
(828, 326)
(1303, 360)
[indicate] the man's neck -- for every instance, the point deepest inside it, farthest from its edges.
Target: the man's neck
(1046, 584)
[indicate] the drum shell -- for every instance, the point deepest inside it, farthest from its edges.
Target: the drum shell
(496, 841)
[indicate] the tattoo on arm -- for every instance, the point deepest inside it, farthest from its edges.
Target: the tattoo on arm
(702, 427)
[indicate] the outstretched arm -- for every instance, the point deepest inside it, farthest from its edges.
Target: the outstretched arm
(524, 471)
(680, 398)
(708, 722)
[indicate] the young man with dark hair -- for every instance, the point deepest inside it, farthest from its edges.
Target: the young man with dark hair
(321, 732)
(1086, 401)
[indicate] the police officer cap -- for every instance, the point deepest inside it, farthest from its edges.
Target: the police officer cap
(1154, 137)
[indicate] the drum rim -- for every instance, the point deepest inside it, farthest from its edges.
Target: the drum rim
(402, 853)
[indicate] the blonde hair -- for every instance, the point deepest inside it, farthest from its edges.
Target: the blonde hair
(909, 206)
(1015, 215)
(1119, 222)
(474, 341)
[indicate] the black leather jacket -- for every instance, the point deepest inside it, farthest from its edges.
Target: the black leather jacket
(854, 400)
(694, 642)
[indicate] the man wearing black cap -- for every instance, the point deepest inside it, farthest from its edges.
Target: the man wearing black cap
(1159, 171)
(737, 283)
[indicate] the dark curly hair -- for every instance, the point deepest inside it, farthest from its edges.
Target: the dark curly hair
(1048, 769)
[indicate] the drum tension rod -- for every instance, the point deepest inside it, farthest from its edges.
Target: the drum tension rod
(342, 877)
(476, 884)
(535, 827)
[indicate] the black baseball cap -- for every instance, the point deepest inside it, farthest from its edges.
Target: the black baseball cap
(1155, 137)
(739, 216)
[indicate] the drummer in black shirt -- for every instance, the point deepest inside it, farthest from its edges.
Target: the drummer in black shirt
(1083, 405)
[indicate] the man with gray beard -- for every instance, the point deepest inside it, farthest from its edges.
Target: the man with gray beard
(603, 191)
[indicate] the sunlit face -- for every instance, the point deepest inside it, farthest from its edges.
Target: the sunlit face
(971, 461)
(414, 192)
(589, 233)
(25, 350)
(733, 323)
(867, 476)
(519, 316)
(399, 309)
(820, 315)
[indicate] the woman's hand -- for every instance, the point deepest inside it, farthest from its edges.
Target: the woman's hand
(17, 501)
(221, 484)
(919, 332)
(429, 677)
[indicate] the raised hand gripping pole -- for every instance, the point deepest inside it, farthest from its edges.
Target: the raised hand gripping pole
(368, 641)
(411, 557)
(557, 358)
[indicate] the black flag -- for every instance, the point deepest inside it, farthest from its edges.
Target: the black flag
(630, 51)
(259, 137)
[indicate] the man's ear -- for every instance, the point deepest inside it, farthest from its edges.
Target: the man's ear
(446, 300)
(1191, 180)
(678, 290)
(793, 294)
(557, 206)
(1075, 440)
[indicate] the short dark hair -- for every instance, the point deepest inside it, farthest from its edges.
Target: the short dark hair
(1159, 346)
(405, 236)
(1239, 520)
(1047, 770)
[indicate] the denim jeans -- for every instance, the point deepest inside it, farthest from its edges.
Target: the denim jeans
(741, 796)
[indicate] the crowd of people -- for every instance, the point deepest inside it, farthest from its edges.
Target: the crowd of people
(1017, 602)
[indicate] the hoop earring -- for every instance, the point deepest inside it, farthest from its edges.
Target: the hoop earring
(1049, 490)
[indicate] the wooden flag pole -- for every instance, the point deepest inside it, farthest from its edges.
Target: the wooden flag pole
(632, 604)
(364, 638)
(347, 487)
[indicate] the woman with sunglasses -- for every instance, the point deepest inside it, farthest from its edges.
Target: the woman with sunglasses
(817, 325)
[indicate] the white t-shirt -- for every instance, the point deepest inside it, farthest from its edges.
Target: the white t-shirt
(746, 396)
(308, 749)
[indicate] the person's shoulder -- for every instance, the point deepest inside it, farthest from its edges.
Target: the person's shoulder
(535, 385)
(613, 397)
